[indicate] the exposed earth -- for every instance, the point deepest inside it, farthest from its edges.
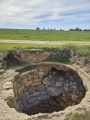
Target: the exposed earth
(45, 42)
(51, 91)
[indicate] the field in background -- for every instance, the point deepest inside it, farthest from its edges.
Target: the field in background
(47, 35)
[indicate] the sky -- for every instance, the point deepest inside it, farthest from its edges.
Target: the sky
(58, 14)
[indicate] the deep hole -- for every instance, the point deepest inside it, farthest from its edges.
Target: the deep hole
(58, 90)
(54, 70)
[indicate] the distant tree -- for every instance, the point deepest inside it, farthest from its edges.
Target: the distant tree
(60, 29)
(78, 29)
(37, 28)
(43, 28)
(86, 30)
(71, 29)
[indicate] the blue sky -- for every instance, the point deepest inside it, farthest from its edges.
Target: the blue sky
(59, 14)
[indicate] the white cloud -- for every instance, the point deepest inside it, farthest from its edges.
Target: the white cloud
(31, 12)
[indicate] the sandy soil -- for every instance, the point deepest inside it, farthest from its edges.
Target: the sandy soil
(45, 42)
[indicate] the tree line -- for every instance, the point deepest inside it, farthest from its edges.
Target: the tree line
(71, 29)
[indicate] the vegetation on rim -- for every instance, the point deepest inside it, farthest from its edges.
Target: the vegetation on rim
(79, 116)
(62, 58)
(80, 49)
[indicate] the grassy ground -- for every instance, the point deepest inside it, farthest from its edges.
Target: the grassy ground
(54, 35)
(27, 68)
(83, 50)
(80, 49)
(63, 58)
(10, 46)
(80, 116)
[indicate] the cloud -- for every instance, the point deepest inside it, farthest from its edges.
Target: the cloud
(32, 12)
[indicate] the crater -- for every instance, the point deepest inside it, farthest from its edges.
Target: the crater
(47, 89)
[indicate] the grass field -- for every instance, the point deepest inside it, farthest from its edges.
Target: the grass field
(53, 35)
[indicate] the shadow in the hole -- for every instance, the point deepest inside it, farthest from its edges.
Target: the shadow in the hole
(54, 104)
(64, 88)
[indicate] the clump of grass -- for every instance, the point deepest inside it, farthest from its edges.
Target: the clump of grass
(82, 50)
(13, 63)
(27, 68)
(79, 116)
(63, 58)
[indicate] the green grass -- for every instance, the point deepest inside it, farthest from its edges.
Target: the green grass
(13, 64)
(63, 58)
(80, 116)
(54, 35)
(27, 68)
(80, 49)
(83, 50)
(11, 46)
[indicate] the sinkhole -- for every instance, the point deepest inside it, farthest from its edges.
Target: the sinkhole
(47, 90)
